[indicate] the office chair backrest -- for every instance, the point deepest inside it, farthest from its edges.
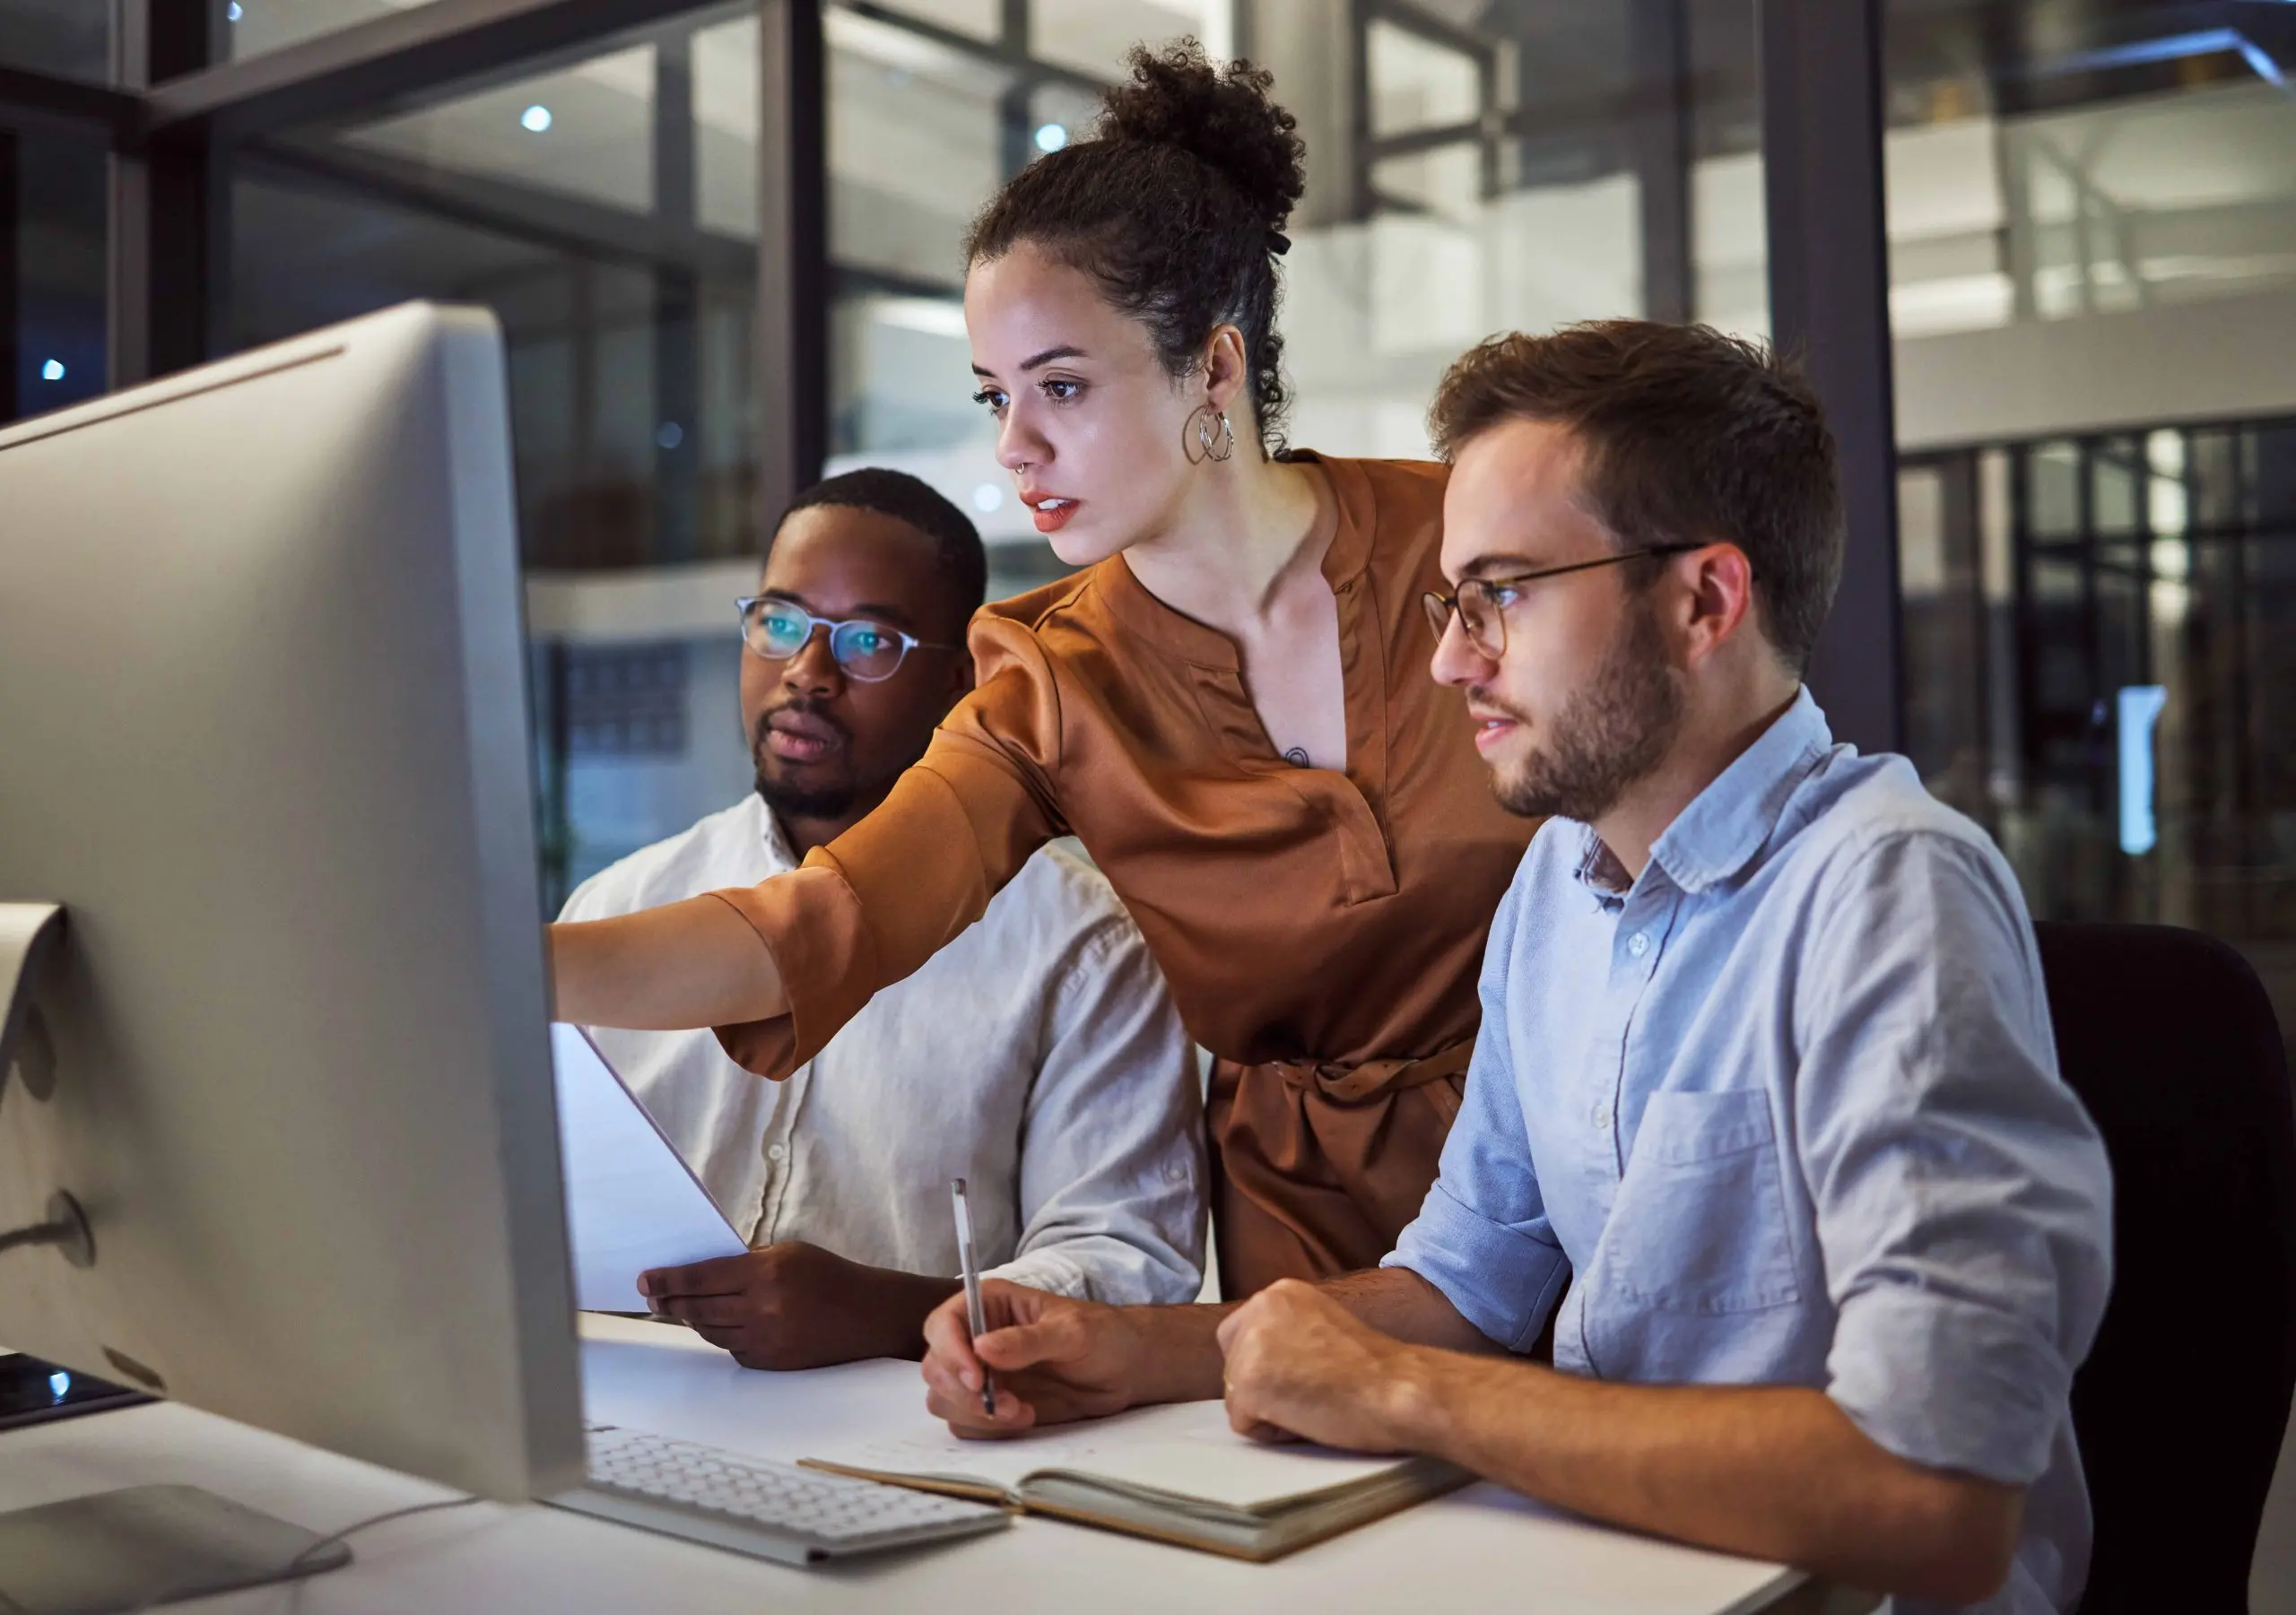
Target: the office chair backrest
(2168, 1037)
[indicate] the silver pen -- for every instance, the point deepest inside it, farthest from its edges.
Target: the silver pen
(976, 1317)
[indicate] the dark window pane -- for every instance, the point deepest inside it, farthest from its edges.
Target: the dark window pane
(57, 313)
(69, 38)
(599, 210)
(2093, 224)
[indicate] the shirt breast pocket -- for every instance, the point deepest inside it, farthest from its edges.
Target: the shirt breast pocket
(1699, 1222)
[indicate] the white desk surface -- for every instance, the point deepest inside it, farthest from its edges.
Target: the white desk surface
(1459, 1554)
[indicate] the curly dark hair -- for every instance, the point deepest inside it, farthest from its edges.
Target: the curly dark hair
(1177, 206)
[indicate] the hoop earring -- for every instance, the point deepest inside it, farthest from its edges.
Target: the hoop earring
(1225, 446)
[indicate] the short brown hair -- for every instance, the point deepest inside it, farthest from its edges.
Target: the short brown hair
(1690, 436)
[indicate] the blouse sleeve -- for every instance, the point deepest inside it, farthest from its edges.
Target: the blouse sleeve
(873, 904)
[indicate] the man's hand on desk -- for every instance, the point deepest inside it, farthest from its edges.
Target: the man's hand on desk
(796, 1306)
(1057, 1359)
(1301, 1365)
(1771, 1472)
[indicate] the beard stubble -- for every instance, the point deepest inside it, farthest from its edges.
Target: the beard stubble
(1609, 736)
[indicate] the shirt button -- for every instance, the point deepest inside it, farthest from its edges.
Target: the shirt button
(776, 1152)
(1602, 1117)
(1638, 944)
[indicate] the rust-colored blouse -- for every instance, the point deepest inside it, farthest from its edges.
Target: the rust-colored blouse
(1321, 931)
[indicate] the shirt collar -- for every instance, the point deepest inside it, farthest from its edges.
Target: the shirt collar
(1732, 819)
(1734, 816)
(1358, 515)
(770, 830)
(1599, 870)
(1128, 599)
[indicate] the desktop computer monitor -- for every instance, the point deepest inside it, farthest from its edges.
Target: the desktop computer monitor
(264, 736)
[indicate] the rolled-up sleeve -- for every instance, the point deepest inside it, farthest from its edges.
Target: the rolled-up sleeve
(1481, 1235)
(1112, 1172)
(1963, 1198)
(869, 908)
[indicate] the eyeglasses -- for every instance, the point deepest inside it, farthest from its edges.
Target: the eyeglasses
(778, 630)
(1481, 603)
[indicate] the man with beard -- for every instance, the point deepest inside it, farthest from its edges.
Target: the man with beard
(1765, 1072)
(1038, 1057)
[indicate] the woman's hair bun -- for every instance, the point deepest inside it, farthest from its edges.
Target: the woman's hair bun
(1221, 115)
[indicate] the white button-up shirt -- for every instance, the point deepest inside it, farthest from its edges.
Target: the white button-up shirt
(1038, 1057)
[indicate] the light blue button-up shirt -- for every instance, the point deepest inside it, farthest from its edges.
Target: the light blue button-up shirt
(1787, 1105)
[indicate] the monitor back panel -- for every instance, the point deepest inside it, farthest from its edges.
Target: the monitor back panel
(262, 731)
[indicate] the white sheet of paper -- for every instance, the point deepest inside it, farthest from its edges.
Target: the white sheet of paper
(1184, 1448)
(631, 1202)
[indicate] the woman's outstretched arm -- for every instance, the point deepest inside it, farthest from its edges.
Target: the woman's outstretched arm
(683, 965)
(778, 968)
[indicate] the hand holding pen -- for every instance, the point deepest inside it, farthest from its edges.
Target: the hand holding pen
(969, 1266)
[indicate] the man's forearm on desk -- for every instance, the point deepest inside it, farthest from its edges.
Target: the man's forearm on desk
(1771, 1472)
(1398, 1302)
(682, 966)
(1174, 1351)
(897, 1305)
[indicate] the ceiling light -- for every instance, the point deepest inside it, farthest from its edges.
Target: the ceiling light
(53, 370)
(929, 315)
(1051, 137)
(234, 12)
(988, 499)
(535, 119)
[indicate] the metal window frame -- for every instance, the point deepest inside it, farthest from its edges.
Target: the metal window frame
(10, 301)
(173, 115)
(1828, 304)
(793, 273)
(411, 54)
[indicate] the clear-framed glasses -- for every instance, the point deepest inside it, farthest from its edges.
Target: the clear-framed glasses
(1481, 603)
(778, 630)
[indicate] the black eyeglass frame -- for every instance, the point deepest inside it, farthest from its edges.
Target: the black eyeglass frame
(909, 642)
(1441, 607)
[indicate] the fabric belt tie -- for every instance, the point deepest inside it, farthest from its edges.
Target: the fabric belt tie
(1354, 1084)
(1320, 1164)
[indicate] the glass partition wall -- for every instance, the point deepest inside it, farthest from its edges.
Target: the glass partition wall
(723, 242)
(2092, 251)
(1471, 168)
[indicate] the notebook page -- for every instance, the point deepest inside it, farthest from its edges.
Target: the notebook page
(1185, 1449)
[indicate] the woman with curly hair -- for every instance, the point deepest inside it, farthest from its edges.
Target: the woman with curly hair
(1229, 704)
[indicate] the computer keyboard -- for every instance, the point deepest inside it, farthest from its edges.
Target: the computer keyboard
(775, 1511)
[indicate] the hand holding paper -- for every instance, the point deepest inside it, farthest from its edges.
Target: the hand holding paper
(631, 1203)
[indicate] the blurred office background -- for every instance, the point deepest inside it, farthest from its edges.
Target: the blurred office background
(2042, 253)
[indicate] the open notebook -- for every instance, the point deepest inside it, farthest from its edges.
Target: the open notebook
(1174, 1472)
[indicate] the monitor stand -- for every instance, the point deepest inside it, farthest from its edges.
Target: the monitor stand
(116, 1552)
(31, 936)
